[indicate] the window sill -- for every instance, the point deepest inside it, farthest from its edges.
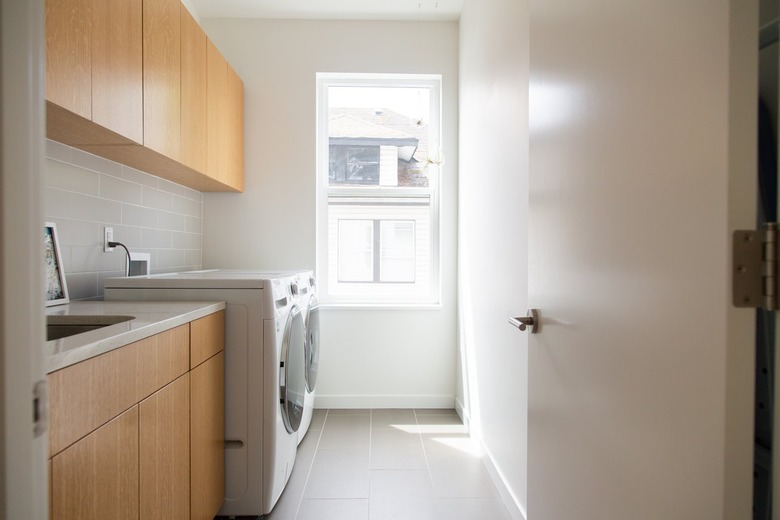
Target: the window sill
(381, 306)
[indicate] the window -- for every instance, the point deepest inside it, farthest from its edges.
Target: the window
(378, 158)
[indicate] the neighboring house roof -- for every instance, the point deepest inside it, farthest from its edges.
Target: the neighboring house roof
(376, 126)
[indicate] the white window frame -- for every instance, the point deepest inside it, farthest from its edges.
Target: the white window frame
(432, 298)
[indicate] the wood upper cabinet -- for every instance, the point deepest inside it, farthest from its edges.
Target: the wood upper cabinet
(217, 114)
(164, 434)
(138, 82)
(194, 81)
(69, 55)
(162, 76)
(94, 71)
(97, 477)
(117, 67)
(235, 130)
(225, 121)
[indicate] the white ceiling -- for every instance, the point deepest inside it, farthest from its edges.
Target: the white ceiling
(331, 9)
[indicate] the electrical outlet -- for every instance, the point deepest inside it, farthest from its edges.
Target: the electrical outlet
(108, 236)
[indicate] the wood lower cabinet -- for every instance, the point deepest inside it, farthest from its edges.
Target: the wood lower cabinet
(97, 477)
(164, 435)
(136, 433)
(208, 439)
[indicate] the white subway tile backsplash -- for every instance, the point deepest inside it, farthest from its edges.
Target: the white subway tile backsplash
(84, 259)
(95, 209)
(189, 207)
(85, 193)
(172, 221)
(186, 241)
(171, 258)
(158, 199)
(58, 151)
(193, 225)
(71, 178)
(193, 257)
(156, 238)
(193, 195)
(115, 260)
(95, 163)
(78, 233)
(57, 202)
(130, 236)
(82, 285)
(172, 187)
(120, 190)
(139, 177)
(139, 216)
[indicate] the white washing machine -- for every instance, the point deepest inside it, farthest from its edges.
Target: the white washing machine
(265, 382)
(312, 350)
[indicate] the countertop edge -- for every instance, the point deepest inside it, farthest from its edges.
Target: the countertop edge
(111, 341)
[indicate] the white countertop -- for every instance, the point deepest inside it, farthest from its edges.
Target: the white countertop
(150, 318)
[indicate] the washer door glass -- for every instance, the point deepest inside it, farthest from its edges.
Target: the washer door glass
(312, 343)
(292, 378)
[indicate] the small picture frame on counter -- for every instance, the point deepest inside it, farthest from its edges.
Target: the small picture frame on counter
(56, 285)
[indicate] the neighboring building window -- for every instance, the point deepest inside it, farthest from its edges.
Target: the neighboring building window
(378, 189)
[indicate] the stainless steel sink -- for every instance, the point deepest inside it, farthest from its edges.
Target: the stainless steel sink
(60, 326)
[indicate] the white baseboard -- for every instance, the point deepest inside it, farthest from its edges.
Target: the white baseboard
(384, 401)
(463, 413)
(507, 497)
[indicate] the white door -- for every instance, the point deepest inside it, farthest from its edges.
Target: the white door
(636, 394)
(23, 480)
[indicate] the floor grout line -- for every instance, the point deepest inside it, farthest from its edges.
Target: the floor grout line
(311, 466)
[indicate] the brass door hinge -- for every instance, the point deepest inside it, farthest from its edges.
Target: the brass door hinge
(755, 268)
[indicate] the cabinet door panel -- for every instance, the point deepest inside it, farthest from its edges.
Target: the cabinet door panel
(164, 433)
(88, 394)
(207, 337)
(97, 478)
(208, 437)
(217, 114)
(117, 67)
(69, 55)
(235, 130)
(162, 76)
(194, 99)
(162, 358)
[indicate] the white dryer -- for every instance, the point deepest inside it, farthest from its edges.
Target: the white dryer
(312, 351)
(265, 382)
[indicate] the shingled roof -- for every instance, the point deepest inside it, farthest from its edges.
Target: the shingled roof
(369, 126)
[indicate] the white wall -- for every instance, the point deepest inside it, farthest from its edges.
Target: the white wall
(369, 357)
(493, 265)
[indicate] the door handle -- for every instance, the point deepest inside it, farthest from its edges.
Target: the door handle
(529, 320)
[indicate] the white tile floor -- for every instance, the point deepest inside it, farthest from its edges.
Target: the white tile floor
(388, 464)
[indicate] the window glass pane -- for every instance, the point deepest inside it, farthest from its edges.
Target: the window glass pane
(364, 119)
(396, 257)
(356, 251)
